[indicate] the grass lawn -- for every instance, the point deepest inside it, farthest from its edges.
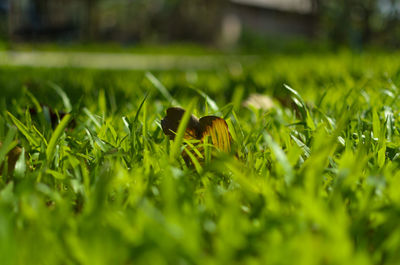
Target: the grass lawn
(313, 180)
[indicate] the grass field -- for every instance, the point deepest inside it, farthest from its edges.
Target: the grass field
(314, 180)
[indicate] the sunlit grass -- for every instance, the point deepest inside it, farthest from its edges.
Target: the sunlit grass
(313, 180)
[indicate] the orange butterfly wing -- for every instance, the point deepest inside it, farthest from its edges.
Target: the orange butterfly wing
(217, 129)
(197, 129)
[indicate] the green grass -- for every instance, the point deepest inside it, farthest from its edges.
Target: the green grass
(313, 181)
(184, 48)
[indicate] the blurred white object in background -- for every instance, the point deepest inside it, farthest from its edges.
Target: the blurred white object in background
(299, 6)
(231, 30)
(259, 101)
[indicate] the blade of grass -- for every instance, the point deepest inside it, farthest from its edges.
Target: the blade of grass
(7, 144)
(194, 160)
(303, 107)
(92, 117)
(176, 146)
(34, 100)
(63, 95)
(55, 174)
(140, 107)
(102, 101)
(161, 88)
(209, 101)
(24, 130)
(376, 125)
(20, 166)
(56, 135)
(281, 158)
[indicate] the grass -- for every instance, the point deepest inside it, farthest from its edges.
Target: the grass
(312, 181)
(185, 48)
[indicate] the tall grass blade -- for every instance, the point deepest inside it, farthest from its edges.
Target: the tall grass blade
(56, 135)
(63, 95)
(177, 143)
(281, 158)
(24, 130)
(213, 105)
(140, 107)
(20, 166)
(92, 117)
(7, 143)
(161, 88)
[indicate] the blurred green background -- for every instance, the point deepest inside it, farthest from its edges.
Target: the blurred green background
(223, 24)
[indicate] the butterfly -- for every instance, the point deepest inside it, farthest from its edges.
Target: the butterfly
(207, 129)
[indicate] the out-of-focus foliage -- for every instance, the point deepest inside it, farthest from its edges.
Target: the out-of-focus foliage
(122, 20)
(356, 23)
(360, 22)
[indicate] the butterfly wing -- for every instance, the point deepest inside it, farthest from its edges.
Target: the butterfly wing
(211, 127)
(171, 123)
(217, 129)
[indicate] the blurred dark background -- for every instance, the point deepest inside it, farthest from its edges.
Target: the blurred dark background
(219, 23)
